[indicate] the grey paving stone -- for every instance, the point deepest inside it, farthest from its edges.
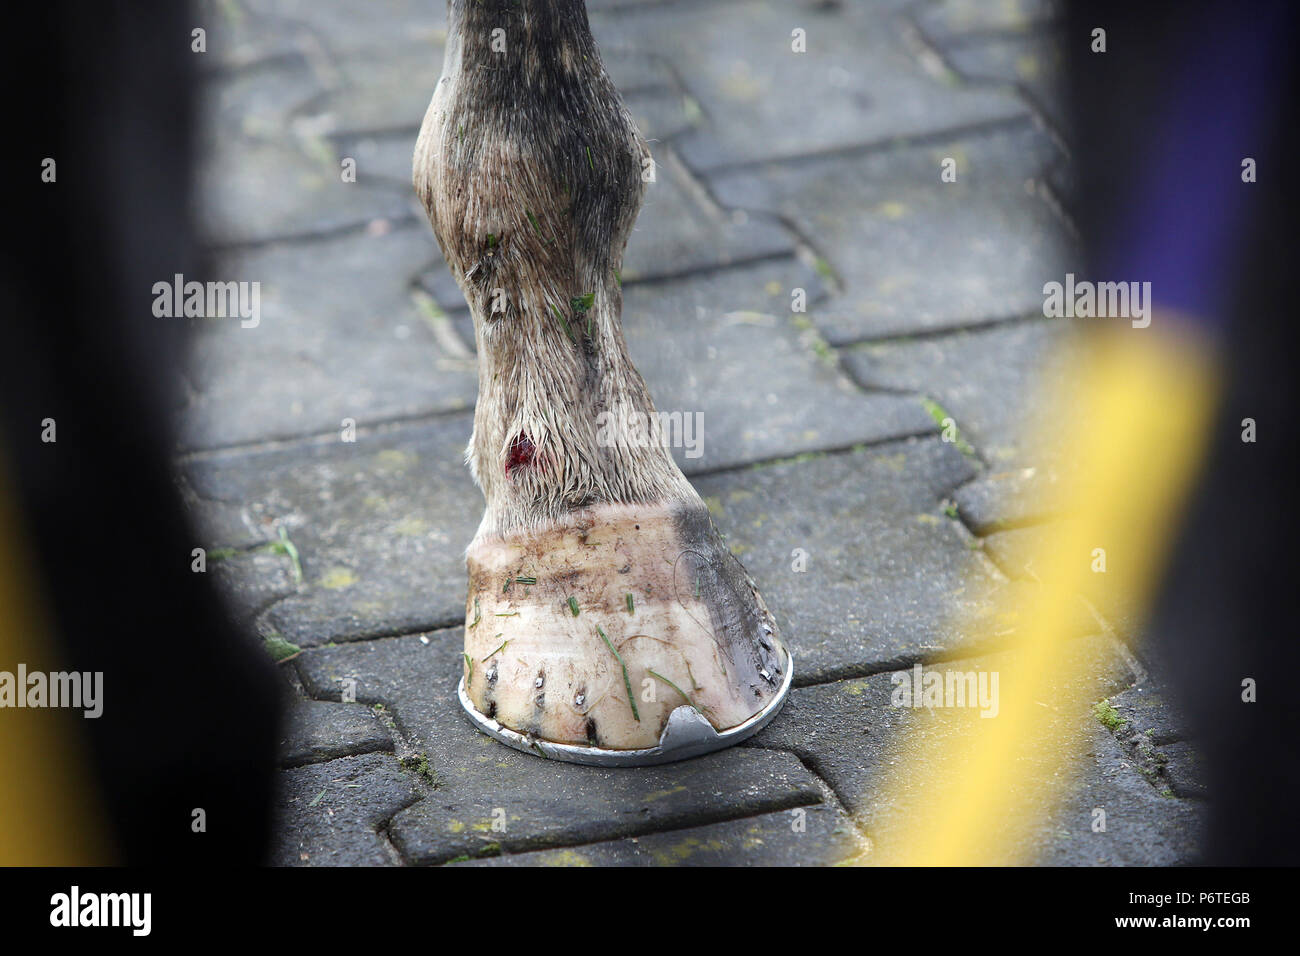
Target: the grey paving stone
(380, 526)
(887, 578)
(257, 191)
(238, 39)
(557, 805)
(343, 27)
(855, 84)
(266, 168)
(950, 20)
(676, 234)
(251, 580)
(382, 157)
(1020, 551)
(1007, 499)
(339, 337)
(328, 814)
(1153, 763)
(633, 65)
(1149, 709)
(542, 804)
(726, 346)
(420, 670)
(258, 101)
(228, 525)
(1016, 552)
(319, 730)
(1033, 62)
(849, 733)
(827, 839)
(992, 381)
(460, 319)
(1143, 826)
(604, 5)
(916, 254)
(410, 33)
(1185, 770)
(662, 113)
(386, 86)
(385, 89)
(1157, 733)
(1062, 180)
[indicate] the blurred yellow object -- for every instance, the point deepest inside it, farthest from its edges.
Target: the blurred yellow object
(1135, 428)
(49, 814)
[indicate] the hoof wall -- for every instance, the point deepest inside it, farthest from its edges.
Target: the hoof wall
(687, 734)
(620, 630)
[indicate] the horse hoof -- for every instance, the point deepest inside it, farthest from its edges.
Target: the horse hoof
(618, 635)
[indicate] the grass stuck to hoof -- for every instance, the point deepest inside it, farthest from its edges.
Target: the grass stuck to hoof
(280, 649)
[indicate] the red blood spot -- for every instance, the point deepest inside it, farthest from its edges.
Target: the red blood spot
(520, 454)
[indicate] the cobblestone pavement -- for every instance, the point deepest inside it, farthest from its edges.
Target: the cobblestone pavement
(776, 171)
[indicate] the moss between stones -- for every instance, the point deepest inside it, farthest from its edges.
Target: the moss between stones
(1108, 715)
(419, 763)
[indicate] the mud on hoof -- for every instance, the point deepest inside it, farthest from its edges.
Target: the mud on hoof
(591, 631)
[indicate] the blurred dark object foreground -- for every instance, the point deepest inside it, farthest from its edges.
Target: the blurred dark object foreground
(190, 707)
(1164, 119)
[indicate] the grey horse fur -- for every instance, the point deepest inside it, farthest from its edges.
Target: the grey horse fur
(531, 171)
